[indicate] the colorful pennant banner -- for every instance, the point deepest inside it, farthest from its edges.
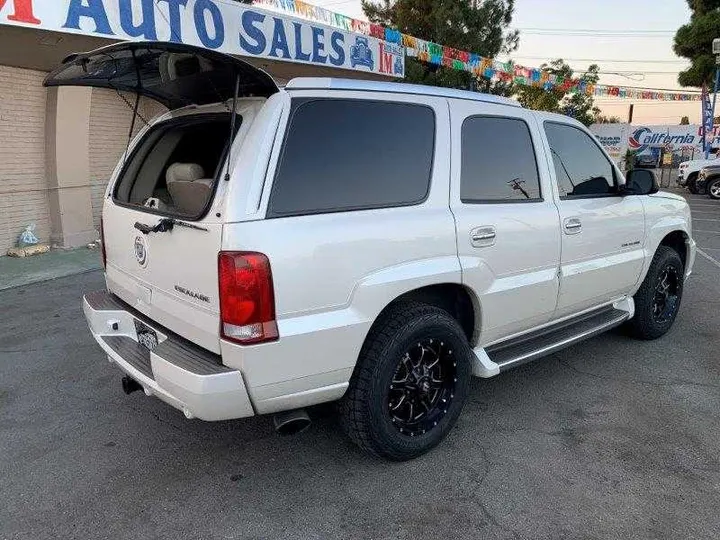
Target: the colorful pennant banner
(435, 53)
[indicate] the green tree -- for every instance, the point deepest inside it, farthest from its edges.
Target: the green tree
(579, 106)
(685, 121)
(476, 26)
(694, 42)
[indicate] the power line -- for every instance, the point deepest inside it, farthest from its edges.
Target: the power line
(595, 30)
(636, 72)
(340, 2)
(632, 35)
(604, 60)
(578, 32)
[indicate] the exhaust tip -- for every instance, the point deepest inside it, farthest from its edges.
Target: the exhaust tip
(130, 385)
(291, 422)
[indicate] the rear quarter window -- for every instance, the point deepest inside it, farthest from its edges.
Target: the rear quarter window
(343, 155)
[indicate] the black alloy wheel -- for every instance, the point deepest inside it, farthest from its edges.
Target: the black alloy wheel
(422, 388)
(657, 302)
(666, 298)
(410, 383)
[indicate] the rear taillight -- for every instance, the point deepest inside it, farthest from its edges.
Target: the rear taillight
(103, 252)
(247, 299)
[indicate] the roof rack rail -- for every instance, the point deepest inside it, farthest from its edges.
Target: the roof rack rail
(327, 83)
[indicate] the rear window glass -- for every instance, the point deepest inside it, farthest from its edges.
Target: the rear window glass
(342, 155)
(174, 169)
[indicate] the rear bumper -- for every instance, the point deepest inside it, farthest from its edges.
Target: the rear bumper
(181, 374)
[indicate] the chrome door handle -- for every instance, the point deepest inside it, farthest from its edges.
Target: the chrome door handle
(572, 225)
(483, 236)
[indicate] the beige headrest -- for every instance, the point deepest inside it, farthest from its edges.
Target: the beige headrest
(184, 172)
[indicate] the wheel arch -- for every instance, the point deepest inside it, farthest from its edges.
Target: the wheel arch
(457, 299)
(667, 230)
(677, 240)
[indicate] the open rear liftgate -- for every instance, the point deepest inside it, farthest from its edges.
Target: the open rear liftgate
(153, 357)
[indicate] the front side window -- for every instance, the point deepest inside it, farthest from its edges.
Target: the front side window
(343, 155)
(498, 161)
(581, 169)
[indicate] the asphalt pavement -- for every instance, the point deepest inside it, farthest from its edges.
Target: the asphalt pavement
(612, 438)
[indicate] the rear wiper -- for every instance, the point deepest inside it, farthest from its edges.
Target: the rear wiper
(166, 225)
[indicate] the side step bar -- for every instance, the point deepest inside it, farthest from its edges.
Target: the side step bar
(528, 347)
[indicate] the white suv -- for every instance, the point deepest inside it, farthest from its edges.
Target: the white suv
(372, 243)
(689, 171)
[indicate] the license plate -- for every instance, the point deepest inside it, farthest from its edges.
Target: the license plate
(147, 337)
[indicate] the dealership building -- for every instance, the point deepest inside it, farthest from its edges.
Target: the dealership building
(59, 146)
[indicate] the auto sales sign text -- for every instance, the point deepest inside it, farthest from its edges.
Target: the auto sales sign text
(222, 25)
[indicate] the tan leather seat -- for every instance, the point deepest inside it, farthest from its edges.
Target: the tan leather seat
(187, 187)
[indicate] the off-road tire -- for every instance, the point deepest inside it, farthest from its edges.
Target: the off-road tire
(364, 410)
(643, 325)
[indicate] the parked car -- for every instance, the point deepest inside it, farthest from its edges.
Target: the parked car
(361, 242)
(646, 159)
(708, 181)
(361, 53)
(689, 170)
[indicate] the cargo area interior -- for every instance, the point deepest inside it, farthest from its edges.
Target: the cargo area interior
(175, 167)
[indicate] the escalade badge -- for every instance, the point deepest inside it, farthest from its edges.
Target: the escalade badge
(141, 251)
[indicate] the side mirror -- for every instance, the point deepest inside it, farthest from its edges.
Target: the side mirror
(640, 182)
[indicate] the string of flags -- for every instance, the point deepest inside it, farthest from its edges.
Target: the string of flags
(480, 66)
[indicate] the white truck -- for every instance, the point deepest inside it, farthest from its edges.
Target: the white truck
(375, 244)
(689, 170)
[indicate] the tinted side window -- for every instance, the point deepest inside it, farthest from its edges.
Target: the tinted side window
(581, 168)
(498, 161)
(342, 155)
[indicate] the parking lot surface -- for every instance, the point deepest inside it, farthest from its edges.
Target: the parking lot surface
(612, 438)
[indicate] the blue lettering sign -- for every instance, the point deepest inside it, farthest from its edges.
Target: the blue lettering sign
(318, 35)
(255, 33)
(146, 28)
(279, 40)
(175, 21)
(93, 9)
(337, 41)
(299, 54)
(201, 6)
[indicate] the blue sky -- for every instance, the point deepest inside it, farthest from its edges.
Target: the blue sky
(638, 31)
